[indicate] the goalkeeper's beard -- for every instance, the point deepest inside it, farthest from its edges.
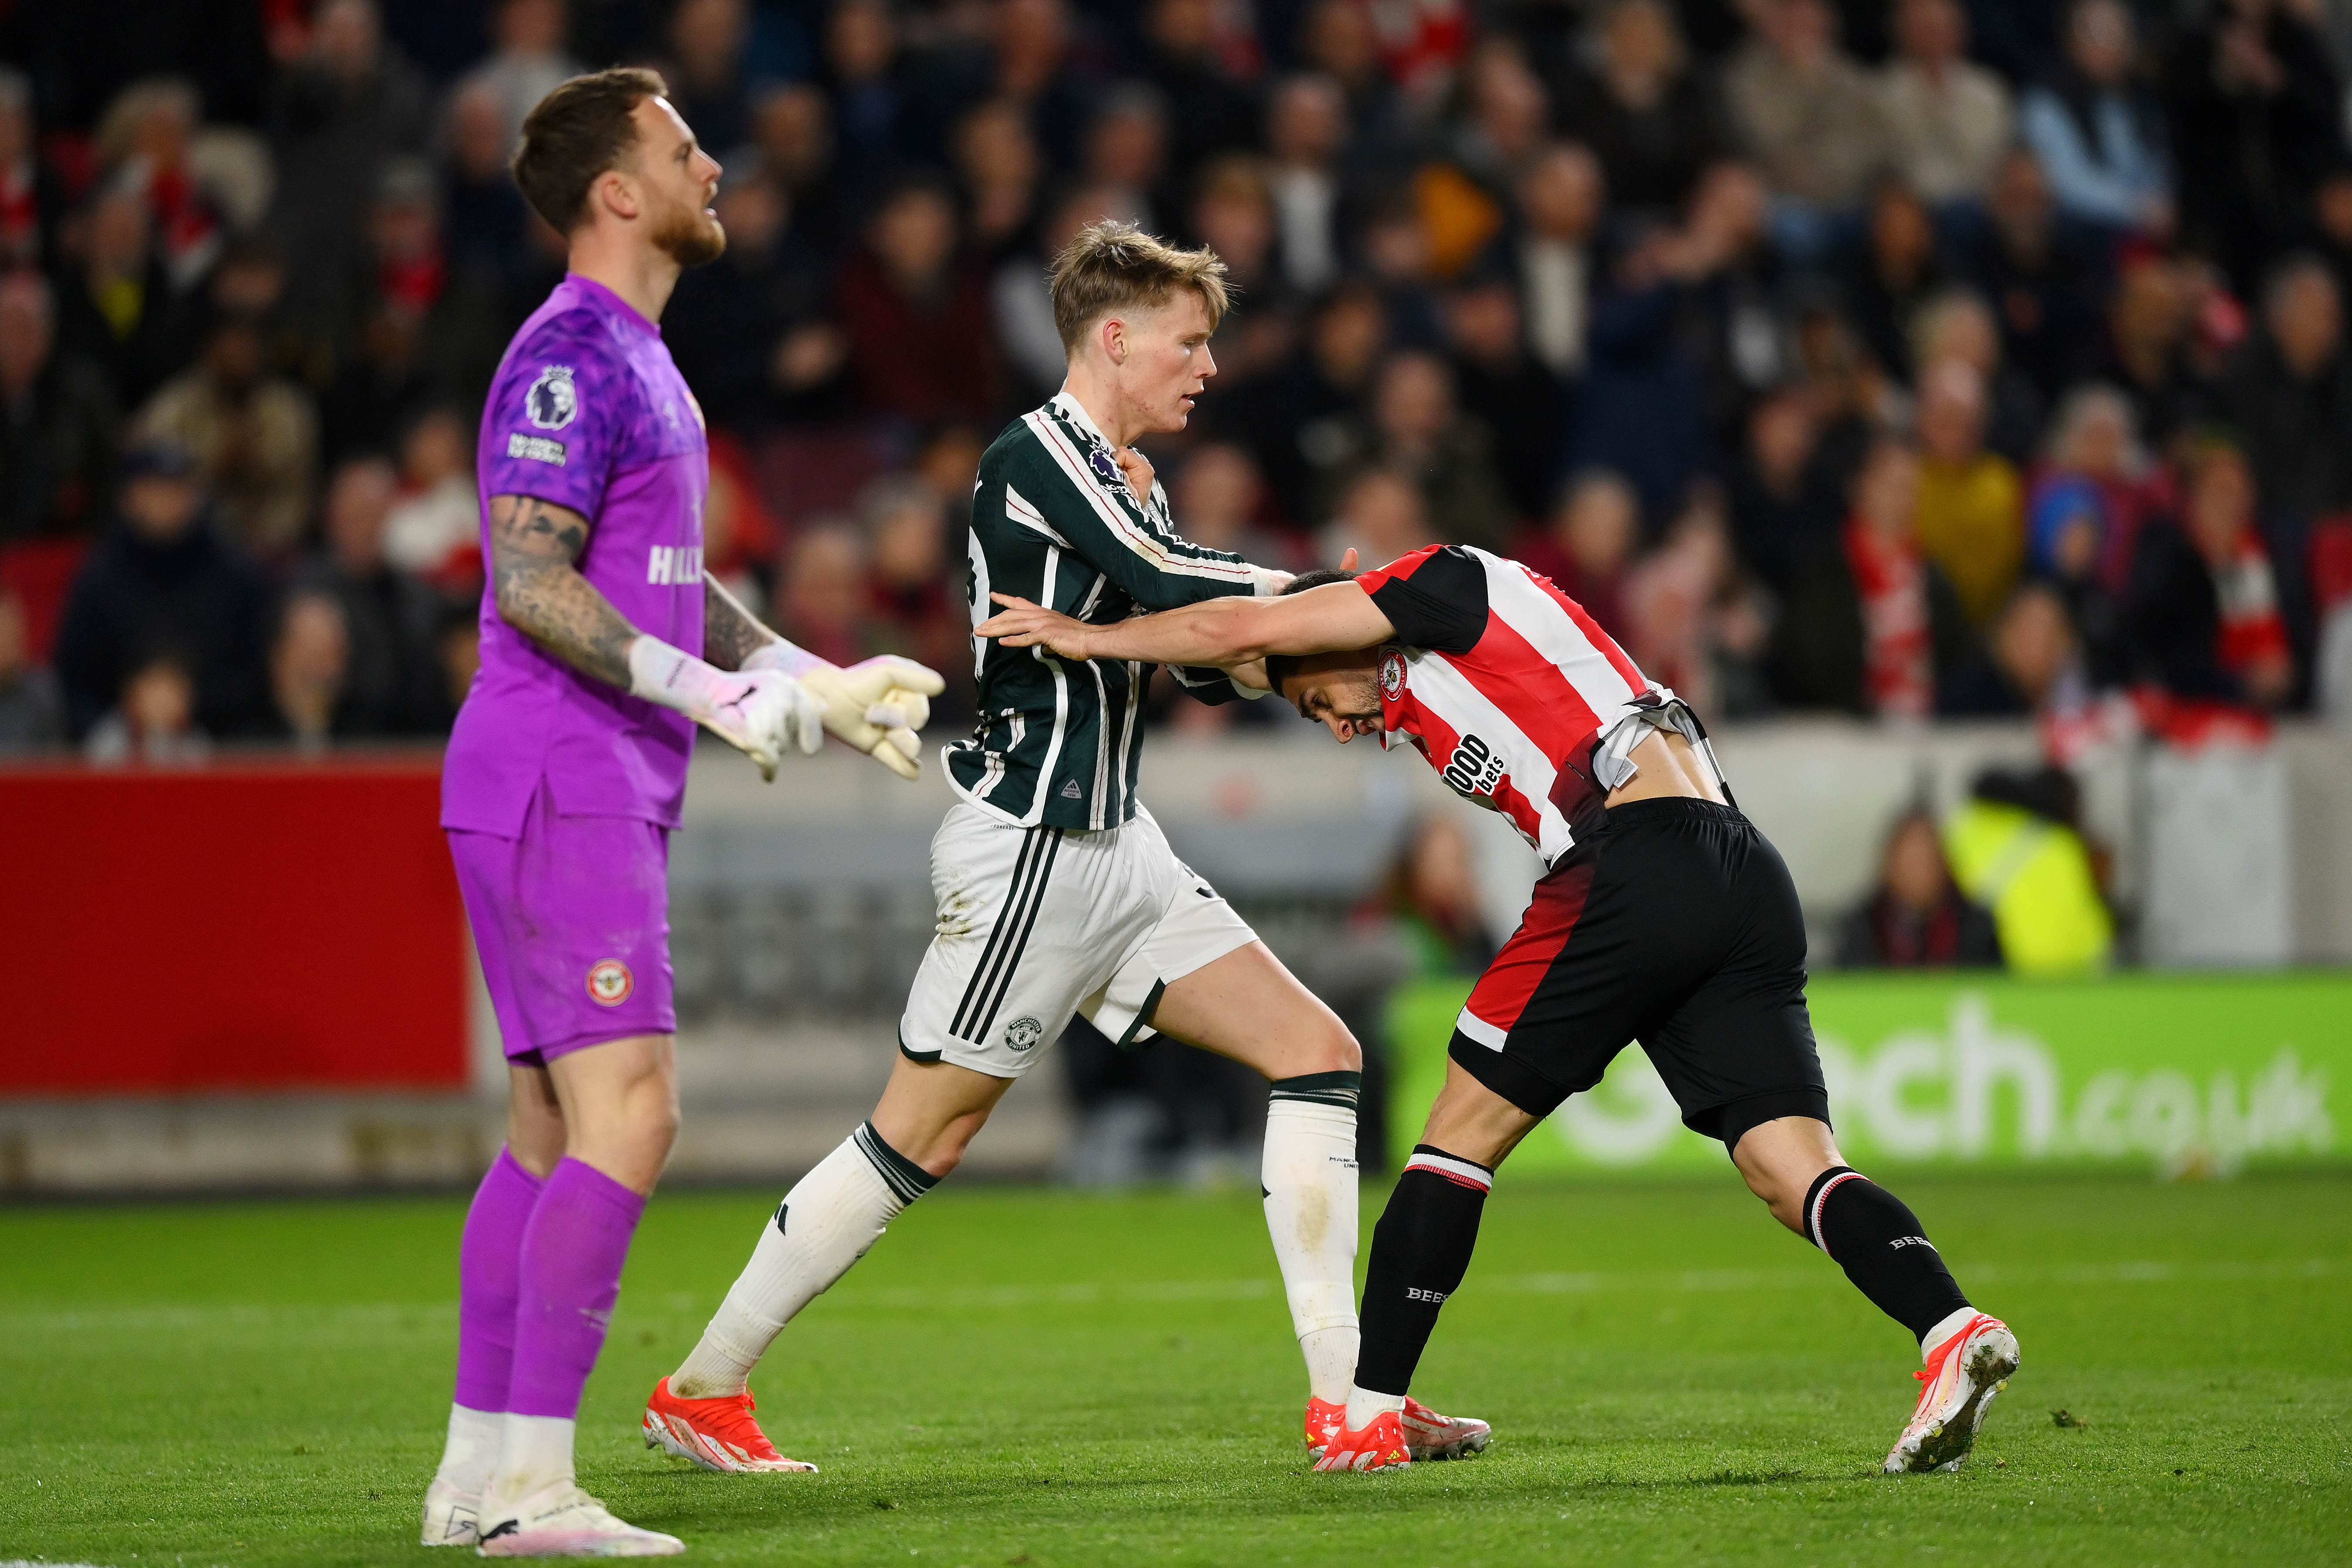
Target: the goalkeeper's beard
(693, 238)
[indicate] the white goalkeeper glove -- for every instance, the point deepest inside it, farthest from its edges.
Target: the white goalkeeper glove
(763, 713)
(875, 706)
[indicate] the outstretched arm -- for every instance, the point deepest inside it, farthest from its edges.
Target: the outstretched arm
(1226, 632)
(541, 592)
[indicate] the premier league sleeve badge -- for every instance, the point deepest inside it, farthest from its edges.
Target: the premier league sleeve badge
(552, 401)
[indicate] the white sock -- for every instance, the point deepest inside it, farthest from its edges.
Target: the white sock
(1946, 1329)
(826, 1223)
(1310, 1176)
(1364, 1407)
(534, 1452)
(472, 1451)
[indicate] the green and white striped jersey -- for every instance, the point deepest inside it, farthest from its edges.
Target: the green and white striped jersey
(1054, 522)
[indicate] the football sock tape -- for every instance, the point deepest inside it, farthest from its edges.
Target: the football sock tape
(1307, 1177)
(1874, 1236)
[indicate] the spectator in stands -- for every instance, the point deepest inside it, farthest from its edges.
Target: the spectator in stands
(310, 664)
(1218, 498)
(1893, 271)
(1651, 116)
(2035, 270)
(32, 708)
(749, 331)
(154, 721)
(32, 202)
(2288, 394)
(1558, 210)
(1504, 387)
(1958, 324)
(1782, 496)
(391, 620)
(1209, 110)
(434, 528)
(527, 62)
(2204, 601)
(791, 125)
(1305, 130)
(394, 359)
(1417, 429)
(1503, 117)
(821, 602)
(2255, 116)
(1021, 306)
(336, 115)
(1296, 419)
(1971, 513)
(915, 316)
(1380, 515)
(1948, 120)
(1031, 43)
(145, 142)
(997, 157)
(1127, 152)
(914, 612)
(58, 421)
(1588, 545)
(2143, 350)
(1872, 626)
(1814, 119)
(1233, 215)
(2098, 132)
(254, 435)
(1690, 624)
(1916, 919)
(2031, 662)
(117, 307)
(705, 68)
(167, 580)
(2084, 520)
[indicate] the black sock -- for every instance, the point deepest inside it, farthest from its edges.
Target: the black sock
(1421, 1249)
(1879, 1242)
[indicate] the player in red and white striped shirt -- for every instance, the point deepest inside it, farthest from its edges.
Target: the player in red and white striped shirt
(1662, 916)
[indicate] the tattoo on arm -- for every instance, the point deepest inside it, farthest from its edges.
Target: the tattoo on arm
(541, 592)
(731, 634)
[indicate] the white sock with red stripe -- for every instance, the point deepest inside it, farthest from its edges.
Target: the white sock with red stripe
(825, 1223)
(1309, 1174)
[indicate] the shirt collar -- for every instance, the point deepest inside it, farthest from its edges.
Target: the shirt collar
(1071, 409)
(609, 302)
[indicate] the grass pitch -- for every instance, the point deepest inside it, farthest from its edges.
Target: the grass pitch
(1043, 1378)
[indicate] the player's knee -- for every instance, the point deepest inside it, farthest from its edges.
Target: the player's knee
(1787, 1206)
(1337, 1050)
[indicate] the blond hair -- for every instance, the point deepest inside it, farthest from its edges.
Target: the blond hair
(1113, 266)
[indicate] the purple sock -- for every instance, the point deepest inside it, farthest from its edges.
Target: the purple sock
(572, 1255)
(489, 1262)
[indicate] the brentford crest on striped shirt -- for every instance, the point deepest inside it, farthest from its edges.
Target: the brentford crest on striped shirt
(1507, 688)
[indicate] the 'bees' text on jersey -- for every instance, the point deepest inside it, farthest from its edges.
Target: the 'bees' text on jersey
(1515, 695)
(1054, 522)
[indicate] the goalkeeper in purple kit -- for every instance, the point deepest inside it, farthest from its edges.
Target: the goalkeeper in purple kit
(603, 645)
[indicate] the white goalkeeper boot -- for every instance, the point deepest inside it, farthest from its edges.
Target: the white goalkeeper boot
(1962, 1376)
(560, 1521)
(450, 1515)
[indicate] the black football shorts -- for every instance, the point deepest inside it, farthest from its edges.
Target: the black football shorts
(1675, 925)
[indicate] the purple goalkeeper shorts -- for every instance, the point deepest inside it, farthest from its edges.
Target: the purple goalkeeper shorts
(571, 920)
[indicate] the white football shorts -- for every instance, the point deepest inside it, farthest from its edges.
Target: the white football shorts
(1037, 923)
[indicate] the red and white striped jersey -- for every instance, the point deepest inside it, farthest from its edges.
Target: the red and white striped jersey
(1507, 685)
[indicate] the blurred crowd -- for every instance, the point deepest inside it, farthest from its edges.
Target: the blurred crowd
(1900, 358)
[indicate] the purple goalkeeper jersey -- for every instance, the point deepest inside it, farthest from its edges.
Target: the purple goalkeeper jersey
(587, 411)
